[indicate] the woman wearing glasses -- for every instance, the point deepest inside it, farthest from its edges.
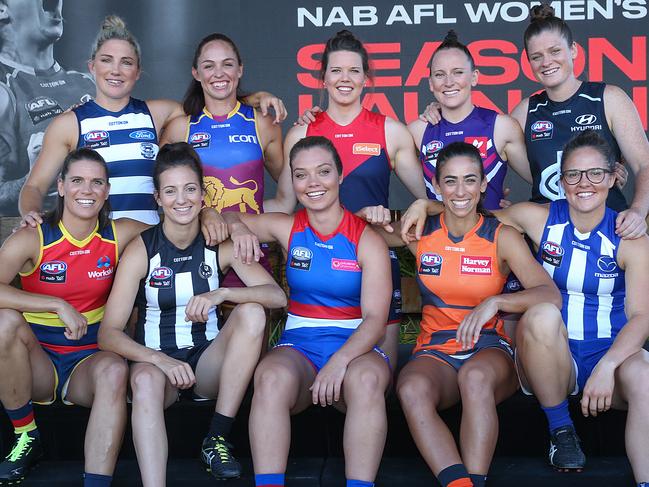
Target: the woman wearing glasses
(595, 343)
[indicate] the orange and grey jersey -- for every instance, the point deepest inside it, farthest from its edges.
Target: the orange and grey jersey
(80, 272)
(455, 274)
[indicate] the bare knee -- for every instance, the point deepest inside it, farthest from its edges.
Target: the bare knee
(111, 375)
(10, 323)
(250, 319)
(475, 383)
(414, 390)
(147, 382)
(273, 383)
(365, 383)
(633, 375)
(541, 324)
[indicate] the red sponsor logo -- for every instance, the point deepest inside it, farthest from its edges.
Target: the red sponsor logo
(479, 143)
(345, 265)
(475, 265)
(366, 149)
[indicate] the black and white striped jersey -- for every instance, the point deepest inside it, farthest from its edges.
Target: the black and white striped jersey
(173, 276)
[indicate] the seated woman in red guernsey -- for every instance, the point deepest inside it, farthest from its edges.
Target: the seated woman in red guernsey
(338, 272)
(48, 330)
(462, 352)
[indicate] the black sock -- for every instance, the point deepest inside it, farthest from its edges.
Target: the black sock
(478, 480)
(221, 425)
(453, 474)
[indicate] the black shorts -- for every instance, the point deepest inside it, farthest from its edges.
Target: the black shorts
(190, 355)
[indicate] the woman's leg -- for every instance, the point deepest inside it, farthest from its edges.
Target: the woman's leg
(632, 393)
(99, 383)
(366, 423)
(484, 381)
(282, 382)
(425, 386)
(151, 394)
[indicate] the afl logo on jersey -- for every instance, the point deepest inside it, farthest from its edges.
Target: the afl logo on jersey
(97, 139)
(42, 108)
(142, 135)
(552, 253)
(430, 150)
(200, 140)
(161, 277)
(301, 258)
(541, 130)
(53, 271)
(430, 264)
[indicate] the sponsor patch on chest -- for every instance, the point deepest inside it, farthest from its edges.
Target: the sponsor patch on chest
(475, 265)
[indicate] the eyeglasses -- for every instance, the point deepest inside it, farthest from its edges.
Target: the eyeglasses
(595, 175)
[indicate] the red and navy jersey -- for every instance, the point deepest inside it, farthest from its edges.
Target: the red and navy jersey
(232, 157)
(476, 129)
(366, 163)
(80, 272)
(548, 128)
(323, 274)
(38, 96)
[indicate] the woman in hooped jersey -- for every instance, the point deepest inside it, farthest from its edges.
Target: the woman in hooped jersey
(123, 129)
(233, 140)
(48, 329)
(463, 353)
(594, 346)
(498, 137)
(327, 353)
(550, 118)
(370, 145)
(179, 341)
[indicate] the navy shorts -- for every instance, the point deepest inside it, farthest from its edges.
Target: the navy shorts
(191, 355)
(394, 315)
(586, 354)
(456, 360)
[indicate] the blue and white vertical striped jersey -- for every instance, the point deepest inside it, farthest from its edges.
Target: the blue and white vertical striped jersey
(175, 275)
(584, 268)
(127, 140)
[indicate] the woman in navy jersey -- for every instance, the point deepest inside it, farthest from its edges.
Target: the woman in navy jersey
(567, 104)
(327, 354)
(498, 137)
(123, 129)
(370, 145)
(179, 342)
(594, 346)
(48, 328)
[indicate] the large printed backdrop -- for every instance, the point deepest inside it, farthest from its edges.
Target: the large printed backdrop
(280, 42)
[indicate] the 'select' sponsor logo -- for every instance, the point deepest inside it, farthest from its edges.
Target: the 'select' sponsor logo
(366, 149)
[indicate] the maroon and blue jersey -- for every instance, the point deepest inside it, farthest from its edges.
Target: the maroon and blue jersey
(476, 129)
(232, 157)
(363, 151)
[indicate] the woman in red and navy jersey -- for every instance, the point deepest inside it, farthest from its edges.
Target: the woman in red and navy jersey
(338, 273)
(370, 145)
(49, 328)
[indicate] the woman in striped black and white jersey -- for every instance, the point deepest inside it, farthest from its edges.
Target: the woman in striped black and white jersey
(179, 342)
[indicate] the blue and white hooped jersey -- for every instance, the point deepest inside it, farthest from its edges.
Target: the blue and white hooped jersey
(584, 268)
(127, 140)
(324, 277)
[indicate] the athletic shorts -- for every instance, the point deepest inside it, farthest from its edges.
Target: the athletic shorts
(394, 315)
(65, 357)
(318, 350)
(456, 360)
(190, 355)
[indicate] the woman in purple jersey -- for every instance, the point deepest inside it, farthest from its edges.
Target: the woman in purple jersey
(552, 360)
(351, 374)
(551, 52)
(498, 137)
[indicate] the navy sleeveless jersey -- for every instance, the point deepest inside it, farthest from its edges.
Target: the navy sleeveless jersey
(127, 140)
(549, 127)
(476, 129)
(584, 268)
(175, 275)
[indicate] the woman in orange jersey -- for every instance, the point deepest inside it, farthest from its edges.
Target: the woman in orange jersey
(462, 352)
(48, 330)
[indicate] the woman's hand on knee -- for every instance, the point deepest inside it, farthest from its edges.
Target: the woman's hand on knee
(179, 373)
(598, 391)
(328, 383)
(468, 333)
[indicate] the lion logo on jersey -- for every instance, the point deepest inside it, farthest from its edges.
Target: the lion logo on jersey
(219, 197)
